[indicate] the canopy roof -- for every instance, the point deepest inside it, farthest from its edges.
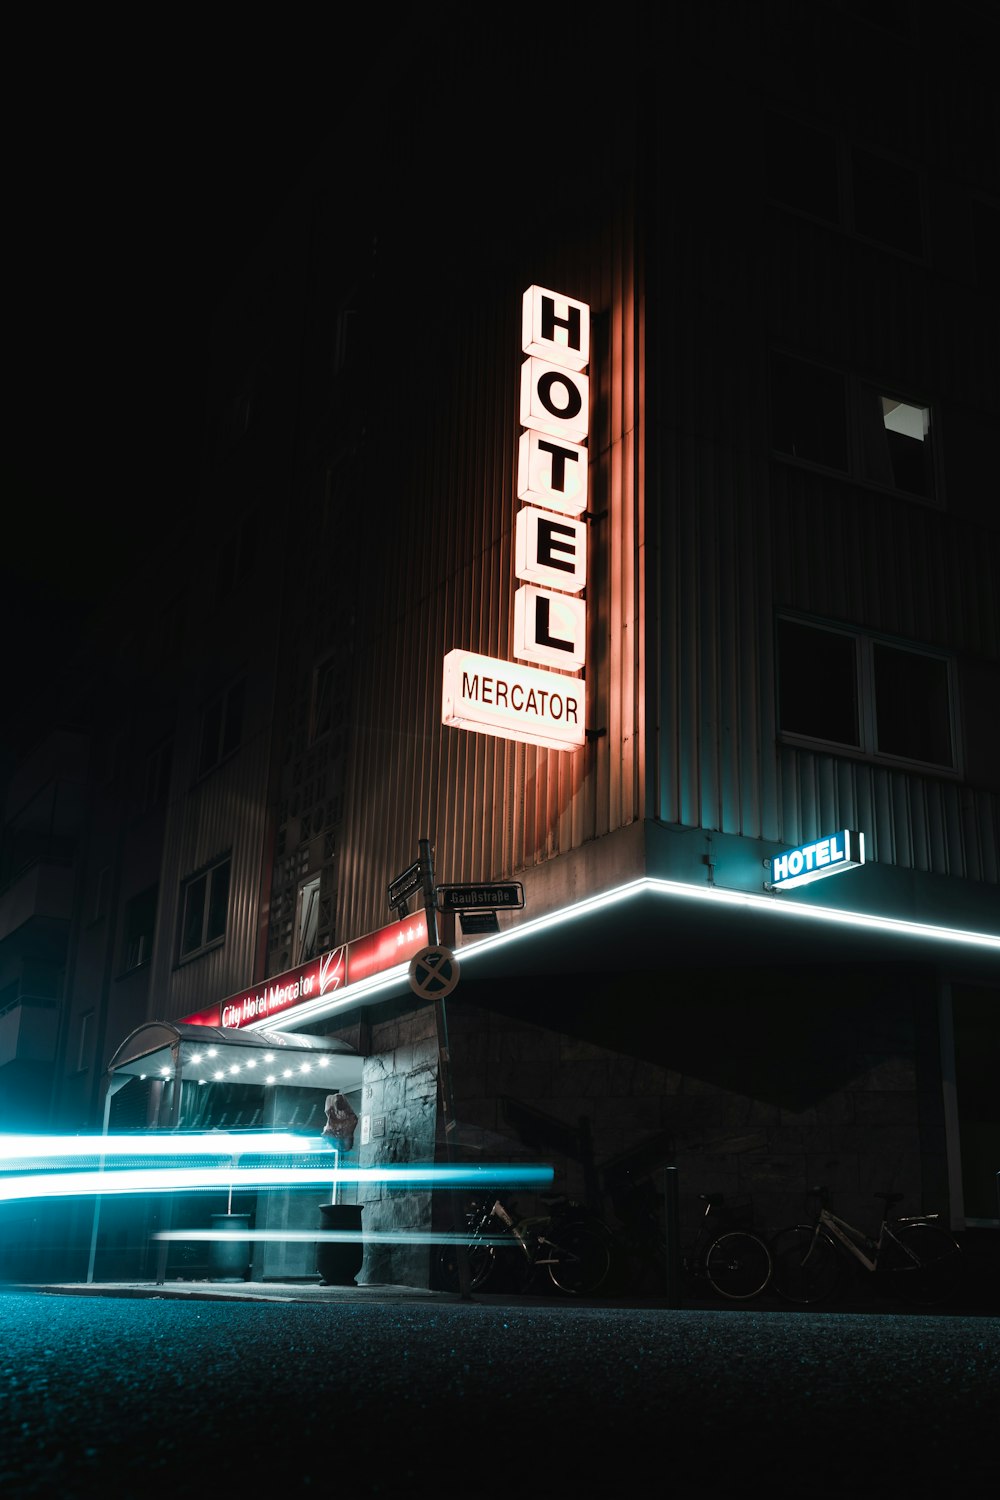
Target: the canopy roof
(218, 1053)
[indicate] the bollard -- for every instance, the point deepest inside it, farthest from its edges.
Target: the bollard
(671, 1214)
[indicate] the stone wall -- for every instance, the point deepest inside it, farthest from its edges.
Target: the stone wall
(753, 1086)
(399, 1100)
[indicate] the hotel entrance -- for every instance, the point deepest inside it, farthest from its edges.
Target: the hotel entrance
(187, 1079)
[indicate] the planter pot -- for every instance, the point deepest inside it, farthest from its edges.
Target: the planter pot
(339, 1261)
(230, 1259)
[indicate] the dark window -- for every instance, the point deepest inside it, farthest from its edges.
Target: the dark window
(886, 202)
(222, 727)
(800, 167)
(102, 893)
(862, 693)
(808, 411)
(912, 705)
(140, 923)
(818, 683)
(896, 445)
(986, 242)
(330, 695)
(85, 1041)
(977, 1067)
(895, 16)
(238, 555)
(205, 900)
(307, 921)
(157, 776)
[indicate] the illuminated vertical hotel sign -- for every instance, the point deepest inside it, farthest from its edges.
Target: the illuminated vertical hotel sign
(504, 698)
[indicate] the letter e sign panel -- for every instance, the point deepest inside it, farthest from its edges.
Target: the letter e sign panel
(550, 549)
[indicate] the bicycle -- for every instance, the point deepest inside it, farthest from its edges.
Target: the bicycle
(730, 1259)
(735, 1263)
(920, 1259)
(572, 1244)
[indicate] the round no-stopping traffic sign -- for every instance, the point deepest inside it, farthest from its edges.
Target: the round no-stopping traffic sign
(434, 972)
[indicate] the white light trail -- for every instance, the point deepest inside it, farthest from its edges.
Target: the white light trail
(325, 1236)
(166, 1179)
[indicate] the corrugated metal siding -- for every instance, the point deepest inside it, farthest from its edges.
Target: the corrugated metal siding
(226, 811)
(493, 807)
(739, 535)
(894, 566)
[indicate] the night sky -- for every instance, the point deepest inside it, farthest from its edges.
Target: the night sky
(137, 185)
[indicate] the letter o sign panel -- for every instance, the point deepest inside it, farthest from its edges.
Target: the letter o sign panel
(434, 973)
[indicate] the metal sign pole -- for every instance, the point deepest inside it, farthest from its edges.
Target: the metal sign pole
(444, 1066)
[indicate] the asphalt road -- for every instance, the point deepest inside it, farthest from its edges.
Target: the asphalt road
(119, 1397)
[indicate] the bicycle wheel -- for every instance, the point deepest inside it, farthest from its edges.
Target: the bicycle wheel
(738, 1265)
(579, 1259)
(926, 1263)
(481, 1263)
(806, 1265)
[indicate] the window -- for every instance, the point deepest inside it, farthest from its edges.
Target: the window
(977, 1060)
(912, 705)
(102, 892)
(818, 683)
(814, 409)
(238, 555)
(204, 903)
(800, 167)
(897, 17)
(808, 411)
(221, 727)
(84, 1044)
(865, 694)
(156, 779)
(896, 446)
(986, 242)
(110, 753)
(329, 697)
(804, 165)
(307, 921)
(886, 198)
(140, 923)
(347, 337)
(234, 421)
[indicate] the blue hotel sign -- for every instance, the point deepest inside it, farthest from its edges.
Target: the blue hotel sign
(827, 856)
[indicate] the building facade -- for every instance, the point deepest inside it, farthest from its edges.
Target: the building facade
(777, 592)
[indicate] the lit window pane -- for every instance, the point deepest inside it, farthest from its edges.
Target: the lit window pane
(897, 446)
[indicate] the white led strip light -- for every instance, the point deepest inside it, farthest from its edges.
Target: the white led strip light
(670, 889)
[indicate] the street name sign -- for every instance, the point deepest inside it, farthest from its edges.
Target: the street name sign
(508, 895)
(404, 885)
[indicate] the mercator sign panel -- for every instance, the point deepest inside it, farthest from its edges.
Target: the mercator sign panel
(513, 701)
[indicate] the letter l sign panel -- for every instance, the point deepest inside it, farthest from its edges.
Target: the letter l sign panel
(550, 628)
